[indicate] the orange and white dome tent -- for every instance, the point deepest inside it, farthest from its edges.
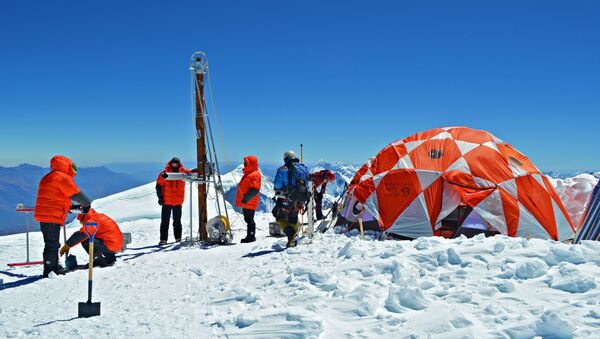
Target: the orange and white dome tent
(411, 185)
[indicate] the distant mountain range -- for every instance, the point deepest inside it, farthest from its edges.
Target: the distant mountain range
(19, 185)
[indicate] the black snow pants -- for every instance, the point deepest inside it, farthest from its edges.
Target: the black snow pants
(251, 225)
(51, 234)
(165, 218)
(102, 255)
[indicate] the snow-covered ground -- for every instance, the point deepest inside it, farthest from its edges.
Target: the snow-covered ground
(336, 286)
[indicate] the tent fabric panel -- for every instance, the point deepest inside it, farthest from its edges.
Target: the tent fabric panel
(435, 155)
(413, 222)
(488, 164)
(433, 196)
(470, 135)
(517, 158)
(395, 192)
(387, 158)
(529, 226)
(490, 209)
(538, 202)
(511, 212)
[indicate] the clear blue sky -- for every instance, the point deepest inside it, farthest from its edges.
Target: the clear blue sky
(108, 81)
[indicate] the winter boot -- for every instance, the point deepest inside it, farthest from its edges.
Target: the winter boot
(249, 234)
(291, 235)
(162, 242)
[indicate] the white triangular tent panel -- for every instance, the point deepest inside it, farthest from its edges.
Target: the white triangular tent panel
(414, 221)
(377, 179)
(443, 135)
(564, 230)
(517, 172)
(404, 163)
(529, 227)
(466, 147)
(450, 201)
(459, 165)
(510, 186)
(426, 178)
(413, 144)
(497, 140)
(491, 145)
(491, 210)
(372, 205)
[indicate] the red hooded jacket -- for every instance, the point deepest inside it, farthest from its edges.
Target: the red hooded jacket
(54, 192)
(173, 191)
(250, 180)
(108, 230)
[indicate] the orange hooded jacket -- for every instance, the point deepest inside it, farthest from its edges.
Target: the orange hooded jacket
(55, 191)
(108, 230)
(173, 191)
(250, 180)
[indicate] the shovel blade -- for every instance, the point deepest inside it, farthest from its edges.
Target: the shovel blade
(89, 309)
(71, 262)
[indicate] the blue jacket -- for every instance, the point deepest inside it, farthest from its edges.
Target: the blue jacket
(281, 178)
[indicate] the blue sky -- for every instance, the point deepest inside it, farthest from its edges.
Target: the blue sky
(108, 81)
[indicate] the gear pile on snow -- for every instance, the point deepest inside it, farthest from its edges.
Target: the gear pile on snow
(411, 185)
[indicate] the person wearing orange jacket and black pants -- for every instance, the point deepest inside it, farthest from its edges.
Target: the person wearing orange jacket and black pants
(56, 192)
(247, 196)
(107, 241)
(171, 194)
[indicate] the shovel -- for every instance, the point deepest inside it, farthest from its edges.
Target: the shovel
(89, 309)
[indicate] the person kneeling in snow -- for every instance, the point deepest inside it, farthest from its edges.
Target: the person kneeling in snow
(107, 241)
(247, 195)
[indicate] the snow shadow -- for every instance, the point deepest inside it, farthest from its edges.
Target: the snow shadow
(55, 321)
(22, 282)
(261, 253)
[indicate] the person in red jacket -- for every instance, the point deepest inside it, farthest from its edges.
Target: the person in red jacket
(247, 196)
(320, 180)
(107, 241)
(56, 192)
(171, 194)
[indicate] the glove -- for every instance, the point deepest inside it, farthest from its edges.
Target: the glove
(85, 209)
(64, 249)
(164, 175)
(194, 170)
(160, 201)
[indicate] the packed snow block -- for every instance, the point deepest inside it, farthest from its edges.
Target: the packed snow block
(553, 325)
(570, 279)
(274, 230)
(531, 269)
(126, 240)
(401, 298)
(558, 254)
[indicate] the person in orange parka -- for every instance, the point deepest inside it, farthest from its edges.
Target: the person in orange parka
(56, 192)
(107, 241)
(247, 195)
(171, 194)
